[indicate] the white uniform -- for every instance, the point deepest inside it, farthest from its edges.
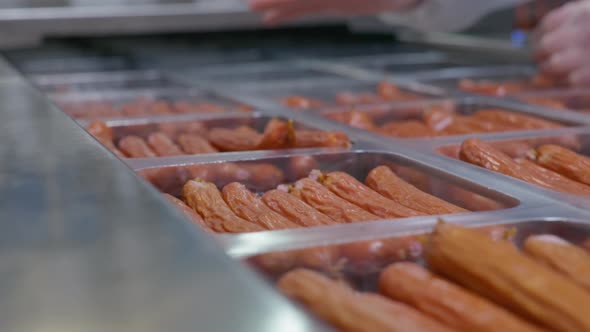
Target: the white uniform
(447, 15)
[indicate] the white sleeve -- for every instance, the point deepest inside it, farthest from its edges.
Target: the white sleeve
(447, 15)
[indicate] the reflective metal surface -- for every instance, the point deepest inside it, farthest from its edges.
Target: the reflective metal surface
(86, 246)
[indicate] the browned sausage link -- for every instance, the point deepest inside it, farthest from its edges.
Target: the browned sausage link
(295, 210)
(350, 189)
(472, 201)
(240, 139)
(349, 310)
(135, 147)
(469, 124)
(565, 183)
(391, 92)
(163, 145)
(406, 129)
(303, 103)
(374, 254)
(205, 198)
(104, 134)
(188, 212)
(449, 304)
(438, 118)
(323, 139)
(246, 205)
(565, 162)
(322, 199)
(278, 134)
(301, 166)
(562, 256)
(355, 119)
(484, 155)
(195, 144)
(262, 174)
(499, 271)
(384, 181)
(514, 119)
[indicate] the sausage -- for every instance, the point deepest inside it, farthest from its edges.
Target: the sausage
(173, 129)
(263, 175)
(569, 185)
(498, 271)
(472, 201)
(188, 212)
(159, 107)
(447, 303)
(240, 139)
(368, 256)
(384, 181)
(104, 134)
(349, 310)
(295, 210)
(277, 134)
(490, 88)
(350, 189)
(391, 92)
(163, 145)
(355, 119)
(484, 155)
(205, 198)
(303, 103)
(301, 166)
(438, 118)
(560, 255)
(324, 139)
(406, 129)
(322, 199)
(514, 119)
(136, 147)
(246, 205)
(545, 102)
(565, 162)
(194, 144)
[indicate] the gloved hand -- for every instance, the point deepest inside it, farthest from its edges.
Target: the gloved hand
(280, 11)
(563, 43)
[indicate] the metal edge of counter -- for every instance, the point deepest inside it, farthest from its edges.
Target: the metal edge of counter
(86, 245)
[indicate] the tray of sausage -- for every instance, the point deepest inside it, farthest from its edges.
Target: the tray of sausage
(314, 189)
(529, 275)
(101, 81)
(449, 117)
(152, 102)
(316, 96)
(174, 136)
(559, 163)
(497, 81)
(566, 99)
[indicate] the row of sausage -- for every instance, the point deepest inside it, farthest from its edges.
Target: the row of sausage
(550, 166)
(320, 199)
(142, 106)
(472, 282)
(439, 121)
(172, 139)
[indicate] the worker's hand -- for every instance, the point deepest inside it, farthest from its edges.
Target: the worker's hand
(563, 43)
(281, 11)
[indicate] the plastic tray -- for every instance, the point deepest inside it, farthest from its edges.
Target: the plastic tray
(268, 172)
(416, 119)
(152, 102)
(504, 80)
(572, 99)
(100, 81)
(221, 132)
(524, 147)
(359, 264)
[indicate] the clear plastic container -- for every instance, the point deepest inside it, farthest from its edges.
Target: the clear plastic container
(199, 134)
(360, 266)
(267, 173)
(554, 163)
(437, 118)
(101, 81)
(151, 102)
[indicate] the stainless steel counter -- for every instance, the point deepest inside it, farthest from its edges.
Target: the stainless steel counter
(87, 246)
